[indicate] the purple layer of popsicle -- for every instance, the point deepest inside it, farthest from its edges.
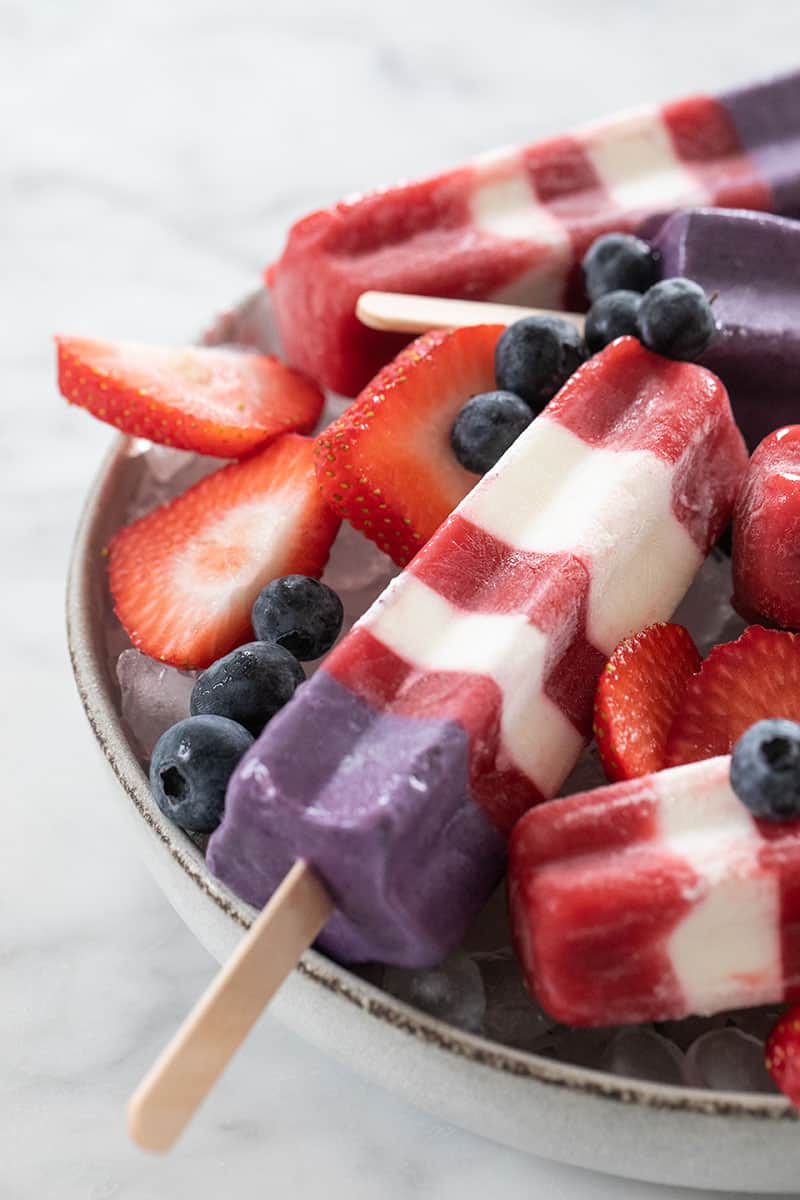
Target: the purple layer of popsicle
(365, 825)
(767, 120)
(753, 261)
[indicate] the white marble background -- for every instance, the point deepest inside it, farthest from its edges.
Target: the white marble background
(152, 153)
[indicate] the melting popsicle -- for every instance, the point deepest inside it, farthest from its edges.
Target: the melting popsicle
(751, 261)
(656, 898)
(512, 226)
(464, 695)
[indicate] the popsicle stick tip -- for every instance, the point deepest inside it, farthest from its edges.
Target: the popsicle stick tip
(188, 1068)
(142, 1132)
(398, 312)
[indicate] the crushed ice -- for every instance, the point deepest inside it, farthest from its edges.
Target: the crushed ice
(479, 987)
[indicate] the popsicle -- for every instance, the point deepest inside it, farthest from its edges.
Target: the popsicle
(513, 225)
(752, 261)
(464, 695)
(766, 533)
(656, 898)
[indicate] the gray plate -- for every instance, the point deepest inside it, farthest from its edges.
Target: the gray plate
(675, 1135)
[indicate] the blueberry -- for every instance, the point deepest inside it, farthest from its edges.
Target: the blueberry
(248, 685)
(619, 261)
(535, 356)
(486, 427)
(675, 319)
(299, 613)
(765, 769)
(610, 317)
(190, 768)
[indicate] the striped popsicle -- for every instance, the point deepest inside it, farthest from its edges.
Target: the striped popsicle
(463, 697)
(656, 898)
(513, 225)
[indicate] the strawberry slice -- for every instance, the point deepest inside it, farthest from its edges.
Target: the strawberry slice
(386, 463)
(741, 682)
(184, 577)
(782, 1054)
(639, 693)
(217, 401)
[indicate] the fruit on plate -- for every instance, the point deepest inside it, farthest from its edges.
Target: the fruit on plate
(660, 897)
(249, 685)
(386, 464)
(741, 682)
(299, 614)
(766, 532)
(190, 768)
(535, 357)
(184, 577)
(638, 696)
(220, 401)
(658, 705)
(783, 1054)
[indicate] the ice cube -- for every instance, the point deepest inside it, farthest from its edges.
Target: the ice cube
(758, 1022)
(581, 1047)
(728, 1061)
(706, 608)
(154, 696)
(489, 935)
(641, 1053)
(165, 473)
(356, 564)
(587, 773)
(452, 992)
(684, 1032)
(512, 1015)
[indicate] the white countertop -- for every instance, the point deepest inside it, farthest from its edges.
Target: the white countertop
(152, 156)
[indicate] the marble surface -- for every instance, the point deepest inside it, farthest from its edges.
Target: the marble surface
(152, 156)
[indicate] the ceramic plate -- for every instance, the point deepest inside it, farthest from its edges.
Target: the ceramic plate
(674, 1135)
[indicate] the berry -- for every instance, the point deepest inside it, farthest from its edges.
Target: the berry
(741, 682)
(486, 426)
(618, 261)
(386, 463)
(637, 697)
(765, 769)
(676, 319)
(300, 614)
(218, 401)
(184, 577)
(249, 685)
(535, 356)
(766, 533)
(190, 768)
(782, 1054)
(611, 316)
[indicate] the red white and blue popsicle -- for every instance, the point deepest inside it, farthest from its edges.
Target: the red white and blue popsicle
(512, 226)
(464, 695)
(656, 898)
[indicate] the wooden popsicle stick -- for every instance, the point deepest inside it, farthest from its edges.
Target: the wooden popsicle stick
(182, 1077)
(401, 313)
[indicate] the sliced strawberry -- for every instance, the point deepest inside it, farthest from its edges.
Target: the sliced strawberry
(185, 576)
(219, 401)
(638, 695)
(386, 463)
(782, 1054)
(741, 682)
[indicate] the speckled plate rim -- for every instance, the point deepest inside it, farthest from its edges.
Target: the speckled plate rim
(86, 599)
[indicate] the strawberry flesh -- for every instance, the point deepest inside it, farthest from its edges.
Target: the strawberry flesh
(184, 577)
(218, 401)
(741, 682)
(386, 464)
(782, 1054)
(638, 695)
